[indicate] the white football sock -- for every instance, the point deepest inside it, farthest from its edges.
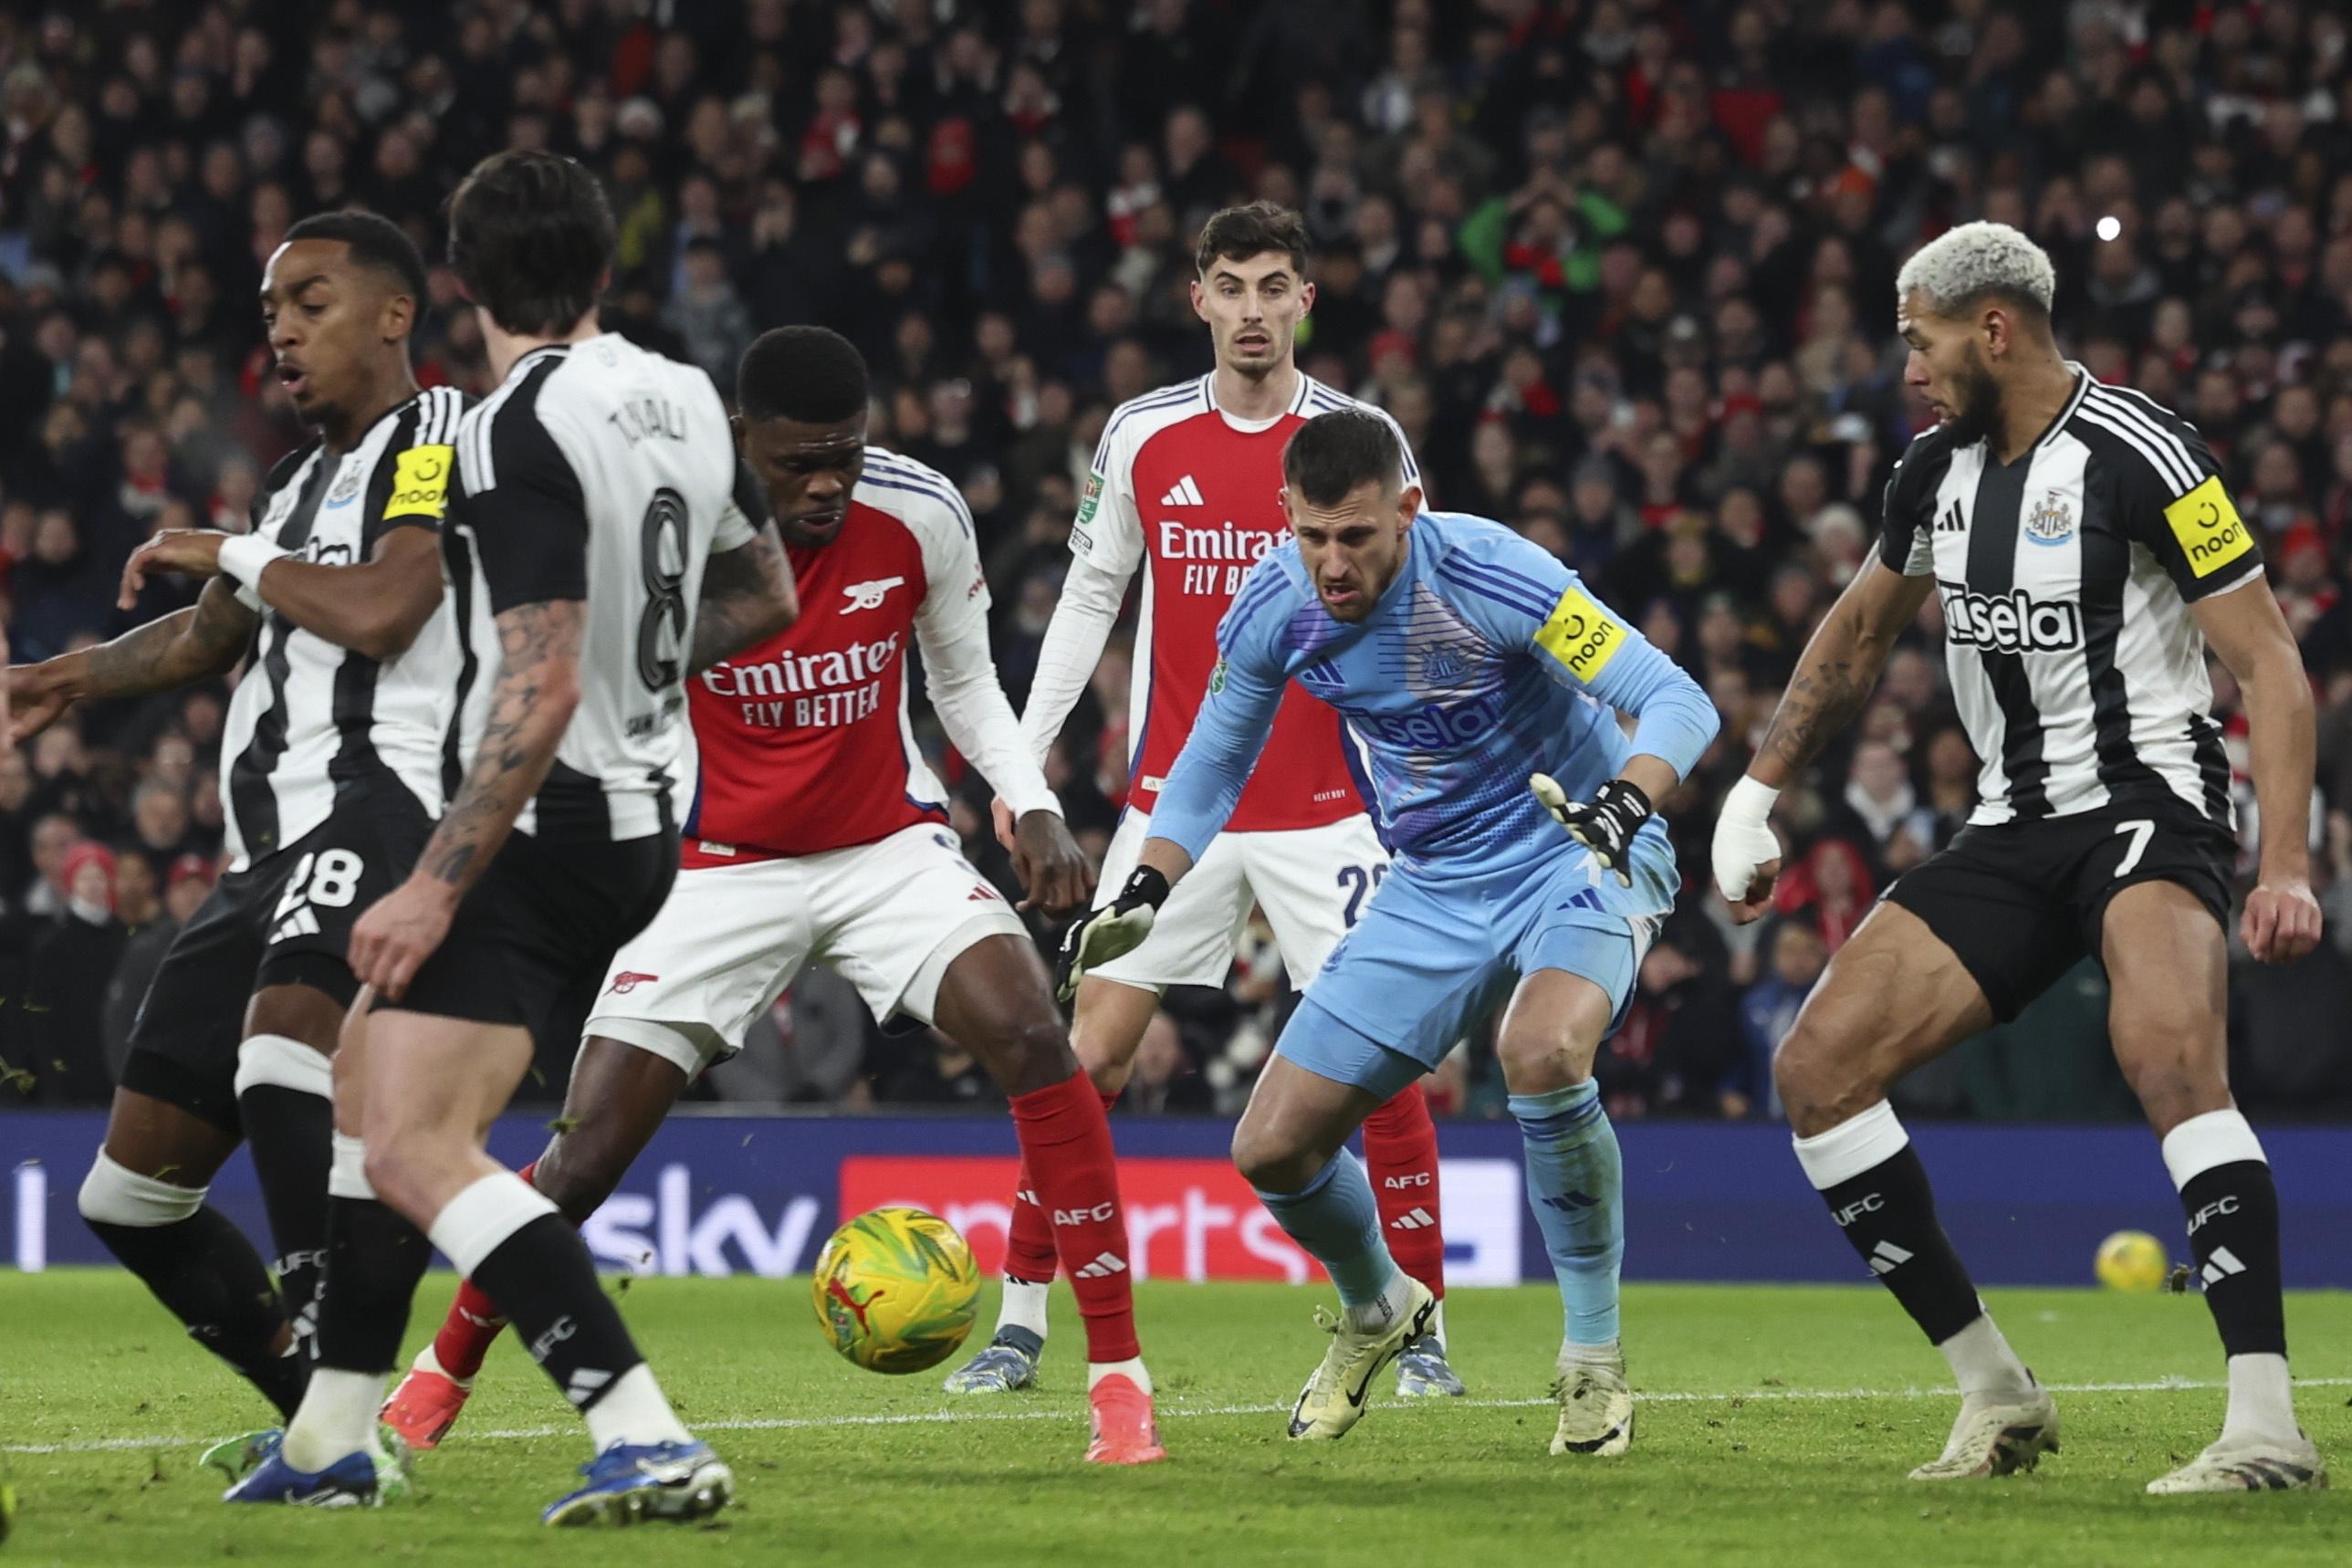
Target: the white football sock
(1610, 1355)
(337, 1416)
(1131, 1367)
(1981, 1361)
(427, 1362)
(1374, 1316)
(634, 1411)
(2261, 1398)
(1437, 1326)
(1024, 1306)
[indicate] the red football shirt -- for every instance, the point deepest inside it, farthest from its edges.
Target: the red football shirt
(803, 742)
(1192, 495)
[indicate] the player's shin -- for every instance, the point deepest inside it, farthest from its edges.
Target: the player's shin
(374, 1260)
(284, 1092)
(1066, 1147)
(203, 1268)
(1336, 1221)
(1401, 1153)
(1575, 1182)
(2233, 1233)
(473, 1325)
(1030, 1256)
(511, 1240)
(1876, 1190)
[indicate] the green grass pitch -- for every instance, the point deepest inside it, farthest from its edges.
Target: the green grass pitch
(1777, 1428)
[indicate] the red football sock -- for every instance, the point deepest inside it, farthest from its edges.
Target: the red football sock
(1400, 1156)
(472, 1324)
(1029, 1254)
(1065, 1147)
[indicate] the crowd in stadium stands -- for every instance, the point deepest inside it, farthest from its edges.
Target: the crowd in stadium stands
(1623, 270)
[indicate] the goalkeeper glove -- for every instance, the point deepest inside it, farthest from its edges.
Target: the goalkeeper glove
(1112, 931)
(1605, 824)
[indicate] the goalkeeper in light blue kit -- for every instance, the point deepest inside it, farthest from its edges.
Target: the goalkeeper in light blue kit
(1481, 678)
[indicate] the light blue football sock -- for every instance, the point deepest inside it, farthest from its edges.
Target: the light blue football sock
(1575, 1182)
(1338, 1221)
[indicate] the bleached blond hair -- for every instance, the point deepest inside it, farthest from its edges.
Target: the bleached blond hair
(1960, 266)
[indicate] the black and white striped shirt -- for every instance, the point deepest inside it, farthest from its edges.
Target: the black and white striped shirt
(311, 717)
(597, 472)
(2065, 578)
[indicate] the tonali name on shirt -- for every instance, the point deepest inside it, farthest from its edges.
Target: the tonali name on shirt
(648, 416)
(1216, 558)
(821, 689)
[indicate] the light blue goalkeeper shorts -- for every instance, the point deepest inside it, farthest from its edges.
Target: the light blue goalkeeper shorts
(1431, 956)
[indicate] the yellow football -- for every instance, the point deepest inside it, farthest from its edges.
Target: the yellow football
(2133, 1260)
(896, 1289)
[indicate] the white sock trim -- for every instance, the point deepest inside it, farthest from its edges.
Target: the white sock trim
(1024, 1306)
(1132, 1367)
(1859, 1144)
(347, 1172)
(474, 1224)
(2261, 1398)
(2202, 1143)
(113, 1193)
(286, 1064)
(337, 1418)
(634, 1410)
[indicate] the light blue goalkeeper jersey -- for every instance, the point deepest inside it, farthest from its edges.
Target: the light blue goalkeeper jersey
(1485, 660)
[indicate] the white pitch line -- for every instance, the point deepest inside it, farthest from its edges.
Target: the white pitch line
(931, 1417)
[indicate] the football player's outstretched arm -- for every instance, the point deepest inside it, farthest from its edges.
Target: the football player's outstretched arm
(195, 644)
(2251, 637)
(960, 676)
(375, 607)
(1833, 678)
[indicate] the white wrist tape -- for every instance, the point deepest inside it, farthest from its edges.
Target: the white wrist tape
(246, 555)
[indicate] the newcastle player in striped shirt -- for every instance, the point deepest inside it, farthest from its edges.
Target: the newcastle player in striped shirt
(2086, 555)
(593, 517)
(331, 777)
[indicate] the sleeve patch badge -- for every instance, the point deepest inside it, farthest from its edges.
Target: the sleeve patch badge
(420, 483)
(1581, 636)
(1088, 499)
(2209, 527)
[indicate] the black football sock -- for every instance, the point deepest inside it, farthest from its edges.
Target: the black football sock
(203, 1269)
(1876, 1190)
(289, 1132)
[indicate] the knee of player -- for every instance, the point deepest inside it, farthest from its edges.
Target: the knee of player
(112, 1194)
(1815, 1075)
(1028, 1050)
(1271, 1163)
(1541, 1060)
(581, 1169)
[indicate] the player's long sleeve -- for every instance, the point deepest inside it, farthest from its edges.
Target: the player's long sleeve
(961, 680)
(1675, 720)
(1081, 623)
(1218, 758)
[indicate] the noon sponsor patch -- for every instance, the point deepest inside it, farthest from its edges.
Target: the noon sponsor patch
(2210, 529)
(420, 483)
(1581, 635)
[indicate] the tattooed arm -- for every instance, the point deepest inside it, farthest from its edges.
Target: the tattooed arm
(205, 640)
(1838, 667)
(747, 597)
(531, 706)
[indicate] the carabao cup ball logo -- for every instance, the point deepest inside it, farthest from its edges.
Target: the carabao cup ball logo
(895, 1291)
